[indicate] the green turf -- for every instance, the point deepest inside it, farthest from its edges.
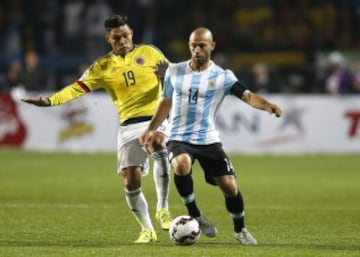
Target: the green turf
(73, 205)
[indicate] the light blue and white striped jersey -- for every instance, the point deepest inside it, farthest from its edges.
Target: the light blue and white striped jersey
(196, 97)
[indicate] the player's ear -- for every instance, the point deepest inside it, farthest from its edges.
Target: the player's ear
(107, 37)
(213, 44)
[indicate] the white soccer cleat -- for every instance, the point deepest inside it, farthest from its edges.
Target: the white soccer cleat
(245, 237)
(206, 227)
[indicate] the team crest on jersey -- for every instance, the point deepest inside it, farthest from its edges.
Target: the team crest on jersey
(139, 61)
(211, 83)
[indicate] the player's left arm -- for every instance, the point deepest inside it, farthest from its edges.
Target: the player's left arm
(161, 62)
(160, 68)
(255, 100)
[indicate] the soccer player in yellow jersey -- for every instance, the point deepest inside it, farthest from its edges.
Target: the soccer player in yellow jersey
(131, 74)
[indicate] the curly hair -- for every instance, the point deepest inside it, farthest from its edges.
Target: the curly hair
(115, 21)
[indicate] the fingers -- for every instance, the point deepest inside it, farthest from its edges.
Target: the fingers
(161, 67)
(277, 111)
(145, 138)
(41, 101)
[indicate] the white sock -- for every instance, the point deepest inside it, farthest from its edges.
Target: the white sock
(161, 175)
(139, 208)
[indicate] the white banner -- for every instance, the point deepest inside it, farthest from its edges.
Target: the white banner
(88, 123)
(310, 123)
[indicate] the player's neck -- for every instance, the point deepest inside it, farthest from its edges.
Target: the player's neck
(199, 67)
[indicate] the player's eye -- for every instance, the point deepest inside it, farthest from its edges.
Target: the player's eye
(198, 45)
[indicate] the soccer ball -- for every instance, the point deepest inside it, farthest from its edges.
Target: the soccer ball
(184, 230)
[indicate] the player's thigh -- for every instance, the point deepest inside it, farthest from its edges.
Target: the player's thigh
(132, 154)
(180, 157)
(215, 163)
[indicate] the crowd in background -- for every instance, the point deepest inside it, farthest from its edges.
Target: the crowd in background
(275, 46)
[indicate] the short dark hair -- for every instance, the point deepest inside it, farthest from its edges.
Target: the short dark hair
(115, 21)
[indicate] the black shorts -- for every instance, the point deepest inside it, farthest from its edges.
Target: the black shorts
(212, 158)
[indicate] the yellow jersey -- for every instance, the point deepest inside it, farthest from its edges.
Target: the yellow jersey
(130, 81)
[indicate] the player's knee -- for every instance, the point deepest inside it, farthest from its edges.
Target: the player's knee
(132, 178)
(181, 164)
(157, 142)
(232, 192)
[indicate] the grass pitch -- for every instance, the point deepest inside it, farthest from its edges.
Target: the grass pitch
(73, 205)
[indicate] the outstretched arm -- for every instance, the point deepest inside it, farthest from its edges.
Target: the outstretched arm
(261, 103)
(160, 115)
(256, 100)
(65, 95)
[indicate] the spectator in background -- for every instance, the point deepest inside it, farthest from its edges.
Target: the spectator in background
(95, 14)
(32, 76)
(73, 12)
(13, 82)
(262, 80)
(356, 69)
(340, 79)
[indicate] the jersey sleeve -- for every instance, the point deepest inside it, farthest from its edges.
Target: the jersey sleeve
(92, 78)
(230, 80)
(67, 94)
(167, 86)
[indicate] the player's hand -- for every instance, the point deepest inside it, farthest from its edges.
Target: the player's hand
(274, 109)
(146, 137)
(160, 69)
(40, 101)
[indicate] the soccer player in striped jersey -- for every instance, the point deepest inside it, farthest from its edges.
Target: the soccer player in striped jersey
(193, 91)
(132, 76)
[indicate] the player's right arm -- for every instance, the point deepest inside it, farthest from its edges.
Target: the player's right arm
(89, 81)
(161, 114)
(65, 95)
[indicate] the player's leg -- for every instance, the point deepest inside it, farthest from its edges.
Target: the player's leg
(161, 175)
(132, 166)
(218, 169)
(235, 205)
(181, 162)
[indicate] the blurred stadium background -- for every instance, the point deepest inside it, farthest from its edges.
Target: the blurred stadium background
(290, 38)
(302, 49)
(302, 54)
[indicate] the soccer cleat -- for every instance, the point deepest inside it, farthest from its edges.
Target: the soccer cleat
(245, 237)
(164, 217)
(206, 227)
(146, 236)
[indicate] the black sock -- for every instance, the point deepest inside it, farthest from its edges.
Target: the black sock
(235, 205)
(185, 187)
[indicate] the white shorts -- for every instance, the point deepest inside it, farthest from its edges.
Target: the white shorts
(129, 150)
